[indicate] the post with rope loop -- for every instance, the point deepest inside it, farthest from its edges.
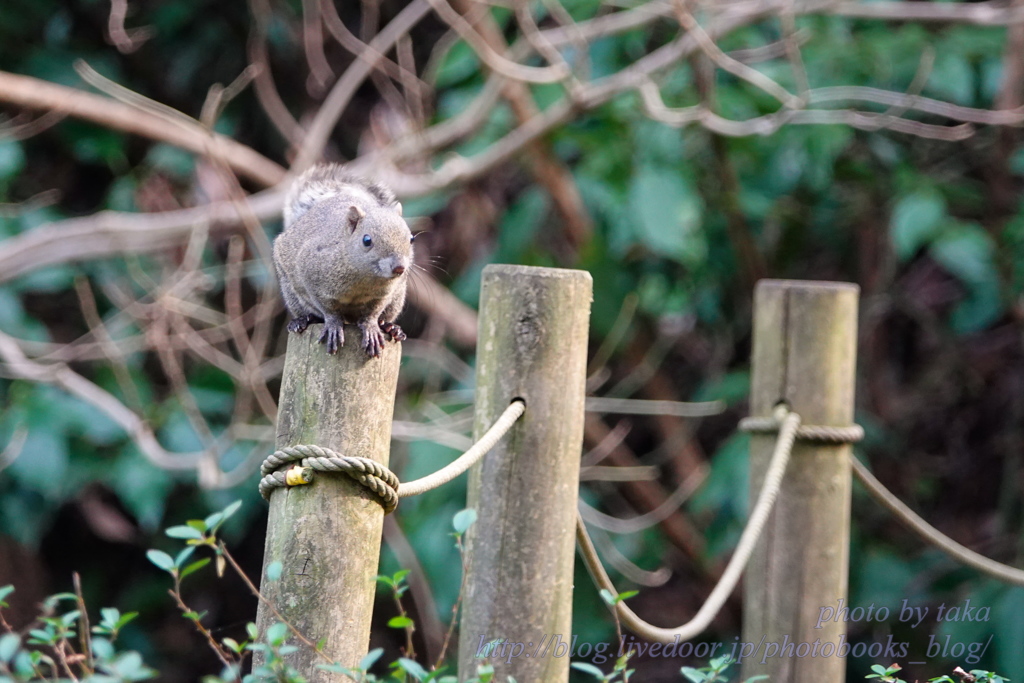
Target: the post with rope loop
(327, 535)
(533, 331)
(805, 343)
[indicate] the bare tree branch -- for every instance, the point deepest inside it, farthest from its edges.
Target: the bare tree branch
(18, 365)
(266, 90)
(108, 233)
(342, 92)
(126, 41)
(32, 93)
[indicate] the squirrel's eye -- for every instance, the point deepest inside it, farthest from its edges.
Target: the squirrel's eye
(412, 239)
(367, 241)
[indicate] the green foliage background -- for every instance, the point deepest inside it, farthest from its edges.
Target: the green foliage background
(932, 231)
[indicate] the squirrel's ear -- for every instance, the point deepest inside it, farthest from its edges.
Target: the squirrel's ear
(355, 214)
(398, 208)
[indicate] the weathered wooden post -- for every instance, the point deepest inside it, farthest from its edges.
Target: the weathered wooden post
(805, 345)
(533, 330)
(327, 534)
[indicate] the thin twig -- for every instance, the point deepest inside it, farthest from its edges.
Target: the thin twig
(270, 605)
(85, 637)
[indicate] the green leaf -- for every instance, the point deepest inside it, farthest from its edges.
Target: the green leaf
(590, 669)
(613, 599)
(126, 618)
(916, 221)
(693, 675)
(9, 644)
(463, 520)
(129, 667)
(370, 658)
(102, 649)
(181, 557)
(4, 592)
(274, 570)
(222, 516)
(400, 622)
(276, 633)
(412, 668)
(184, 532)
(161, 559)
(42, 636)
(194, 567)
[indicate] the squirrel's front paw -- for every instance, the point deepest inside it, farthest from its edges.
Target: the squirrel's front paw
(334, 336)
(394, 331)
(298, 325)
(373, 340)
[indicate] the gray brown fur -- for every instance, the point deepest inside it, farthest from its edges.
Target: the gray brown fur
(326, 271)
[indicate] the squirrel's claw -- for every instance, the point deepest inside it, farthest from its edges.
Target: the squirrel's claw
(298, 325)
(334, 336)
(394, 331)
(373, 340)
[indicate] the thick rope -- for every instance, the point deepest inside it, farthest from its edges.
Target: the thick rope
(381, 481)
(469, 458)
(930, 534)
(790, 424)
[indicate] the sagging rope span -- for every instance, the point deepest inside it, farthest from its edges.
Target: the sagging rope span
(930, 534)
(377, 478)
(790, 424)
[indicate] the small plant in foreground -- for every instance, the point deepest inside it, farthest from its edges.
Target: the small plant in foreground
(714, 672)
(889, 675)
(620, 672)
(60, 645)
(972, 676)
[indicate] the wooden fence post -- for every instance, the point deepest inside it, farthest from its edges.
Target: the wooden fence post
(327, 534)
(805, 346)
(533, 330)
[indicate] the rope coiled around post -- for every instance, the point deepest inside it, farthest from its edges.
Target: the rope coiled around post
(381, 481)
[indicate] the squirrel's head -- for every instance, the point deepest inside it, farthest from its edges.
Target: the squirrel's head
(380, 239)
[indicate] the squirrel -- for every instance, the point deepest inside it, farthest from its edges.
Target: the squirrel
(343, 256)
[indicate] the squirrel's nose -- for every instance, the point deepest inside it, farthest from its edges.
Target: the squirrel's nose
(398, 270)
